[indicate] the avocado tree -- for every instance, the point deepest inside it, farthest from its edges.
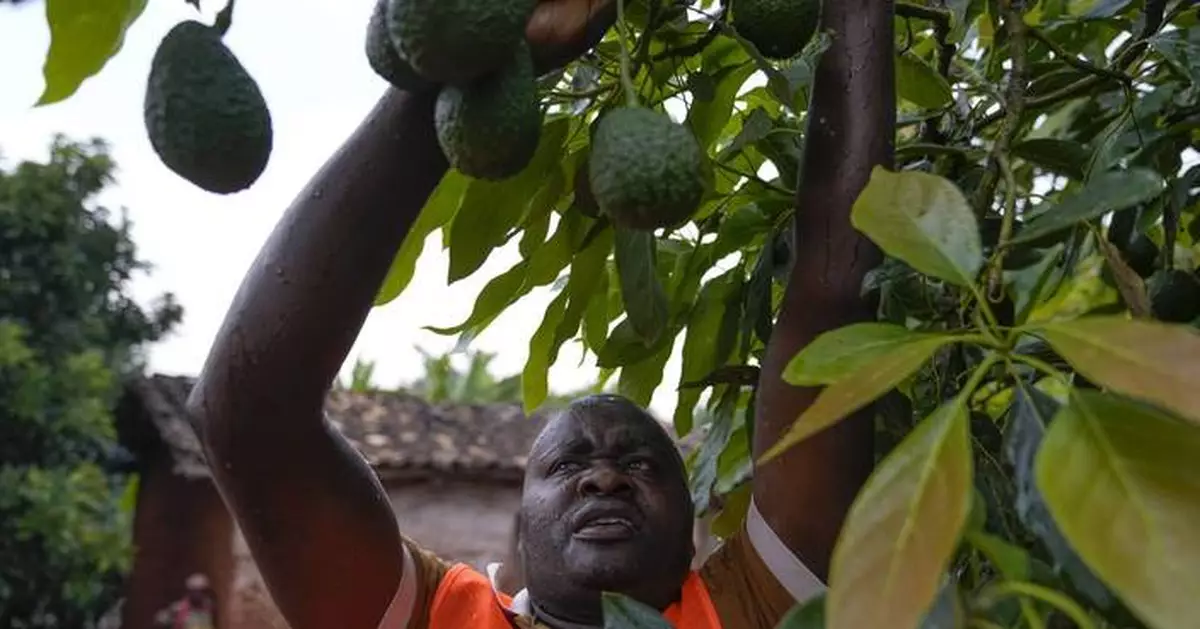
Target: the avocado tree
(1010, 191)
(69, 333)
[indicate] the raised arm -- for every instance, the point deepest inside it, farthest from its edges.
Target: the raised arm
(805, 493)
(316, 519)
(314, 516)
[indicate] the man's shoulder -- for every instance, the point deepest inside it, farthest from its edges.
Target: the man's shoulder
(753, 579)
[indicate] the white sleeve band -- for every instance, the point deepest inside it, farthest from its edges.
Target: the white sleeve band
(787, 568)
(401, 607)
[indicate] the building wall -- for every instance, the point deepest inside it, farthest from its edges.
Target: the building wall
(459, 521)
(181, 528)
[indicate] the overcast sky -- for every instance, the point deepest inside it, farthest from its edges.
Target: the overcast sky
(308, 59)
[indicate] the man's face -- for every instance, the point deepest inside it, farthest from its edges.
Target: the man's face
(605, 507)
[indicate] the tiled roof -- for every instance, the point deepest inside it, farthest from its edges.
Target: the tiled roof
(398, 434)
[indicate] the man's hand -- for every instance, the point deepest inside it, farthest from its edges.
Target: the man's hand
(560, 30)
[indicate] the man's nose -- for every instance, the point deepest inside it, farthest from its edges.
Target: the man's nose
(604, 479)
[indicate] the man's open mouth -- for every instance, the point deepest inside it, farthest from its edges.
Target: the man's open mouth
(606, 529)
(606, 524)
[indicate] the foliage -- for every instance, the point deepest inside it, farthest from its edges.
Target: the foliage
(68, 332)
(1043, 191)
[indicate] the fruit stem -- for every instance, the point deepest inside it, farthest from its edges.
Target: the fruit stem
(224, 19)
(626, 80)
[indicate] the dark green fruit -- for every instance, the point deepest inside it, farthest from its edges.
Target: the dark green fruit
(382, 56)
(490, 128)
(778, 28)
(646, 170)
(206, 118)
(457, 41)
(1175, 296)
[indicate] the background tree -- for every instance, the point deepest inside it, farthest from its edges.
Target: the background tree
(1037, 299)
(69, 332)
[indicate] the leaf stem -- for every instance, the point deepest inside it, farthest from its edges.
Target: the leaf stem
(1032, 590)
(224, 19)
(1040, 365)
(631, 98)
(1014, 104)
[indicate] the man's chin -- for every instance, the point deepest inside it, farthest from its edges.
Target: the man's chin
(609, 567)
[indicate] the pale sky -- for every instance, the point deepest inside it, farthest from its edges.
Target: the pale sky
(308, 59)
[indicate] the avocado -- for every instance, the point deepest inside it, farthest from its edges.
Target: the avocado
(778, 28)
(206, 118)
(457, 41)
(490, 128)
(1175, 296)
(382, 56)
(646, 171)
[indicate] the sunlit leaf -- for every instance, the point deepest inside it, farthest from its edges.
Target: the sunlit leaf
(847, 350)
(1108, 192)
(702, 349)
(1155, 362)
(857, 389)
(903, 527)
(84, 35)
(918, 83)
(1123, 482)
(923, 220)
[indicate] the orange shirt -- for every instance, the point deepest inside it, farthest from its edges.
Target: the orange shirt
(465, 598)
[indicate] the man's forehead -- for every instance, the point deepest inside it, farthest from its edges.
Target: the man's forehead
(584, 428)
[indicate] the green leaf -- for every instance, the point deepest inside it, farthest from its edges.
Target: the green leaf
(702, 350)
(704, 470)
(920, 84)
(1155, 362)
(904, 525)
(84, 35)
(730, 66)
(542, 352)
(807, 615)
(858, 388)
(1123, 482)
(439, 210)
(622, 612)
(923, 220)
(848, 350)
(1011, 560)
(640, 379)
(562, 319)
(1061, 157)
(491, 208)
(1025, 286)
(642, 291)
(1104, 193)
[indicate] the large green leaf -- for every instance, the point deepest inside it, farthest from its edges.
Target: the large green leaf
(491, 208)
(859, 387)
(904, 526)
(1062, 157)
(1155, 362)
(848, 350)
(534, 386)
(1123, 482)
(923, 220)
(807, 615)
(703, 350)
(641, 289)
(84, 35)
(729, 65)
(1108, 192)
(439, 210)
(918, 83)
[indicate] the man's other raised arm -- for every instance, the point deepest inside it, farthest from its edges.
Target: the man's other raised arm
(315, 518)
(805, 493)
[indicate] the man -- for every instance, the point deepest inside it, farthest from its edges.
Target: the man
(196, 610)
(605, 504)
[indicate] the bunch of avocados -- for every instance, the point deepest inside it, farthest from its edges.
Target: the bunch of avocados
(645, 171)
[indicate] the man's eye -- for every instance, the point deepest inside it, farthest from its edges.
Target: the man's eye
(564, 467)
(640, 465)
